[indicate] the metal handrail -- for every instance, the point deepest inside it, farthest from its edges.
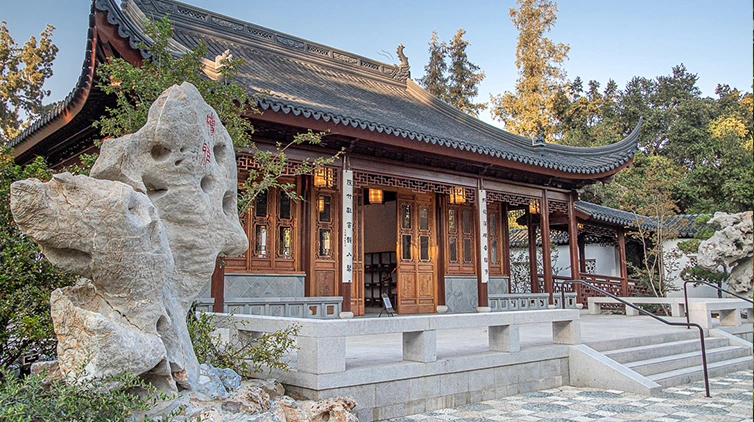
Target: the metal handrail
(686, 295)
(664, 321)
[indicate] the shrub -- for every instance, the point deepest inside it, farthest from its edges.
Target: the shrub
(243, 354)
(26, 277)
(32, 400)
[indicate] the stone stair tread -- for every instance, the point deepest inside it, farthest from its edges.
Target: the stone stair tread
(605, 346)
(696, 368)
(723, 349)
(663, 345)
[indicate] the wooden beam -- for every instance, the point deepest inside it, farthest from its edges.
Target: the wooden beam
(506, 242)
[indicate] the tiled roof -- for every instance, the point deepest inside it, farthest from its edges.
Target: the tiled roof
(322, 83)
(682, 225)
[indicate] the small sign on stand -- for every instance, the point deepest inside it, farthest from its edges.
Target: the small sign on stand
(386, 305)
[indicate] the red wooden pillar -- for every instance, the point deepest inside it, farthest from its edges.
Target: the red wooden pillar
(506, 243)
(545, 227)
(532, 232)
(217, 286)
(623, 268)
(573, 247)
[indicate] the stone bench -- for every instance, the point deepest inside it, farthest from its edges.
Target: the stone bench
(700, 311)
(322, 344)
(528, 301)
(676, 304)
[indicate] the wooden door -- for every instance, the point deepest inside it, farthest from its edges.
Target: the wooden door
(324, 243)
(357, 284)
(416, 253)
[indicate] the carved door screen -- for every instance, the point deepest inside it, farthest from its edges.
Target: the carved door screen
(416, 251)
(357, 285)
(324, 242)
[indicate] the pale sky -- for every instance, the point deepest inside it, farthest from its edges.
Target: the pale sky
(608, 38)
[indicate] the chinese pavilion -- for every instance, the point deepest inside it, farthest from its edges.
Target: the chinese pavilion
(419, 204)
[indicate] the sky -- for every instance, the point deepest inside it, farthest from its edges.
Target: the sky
(609, 39)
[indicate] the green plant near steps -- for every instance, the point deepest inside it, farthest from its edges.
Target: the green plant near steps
(31, 399)
(243, 354)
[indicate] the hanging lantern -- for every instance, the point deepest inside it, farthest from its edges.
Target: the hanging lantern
(457, 196)
(375, 196)
(323, 177)
(534, 206)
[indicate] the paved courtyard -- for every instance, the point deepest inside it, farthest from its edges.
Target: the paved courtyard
(731, 401)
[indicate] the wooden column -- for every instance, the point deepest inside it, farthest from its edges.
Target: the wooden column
(217, 286)
(582, 255)
(346, 244)
(623, 268)
(545, 228)
(532, 232)
(483, 264)
(573, 247)
(440, 211)
(506, 242)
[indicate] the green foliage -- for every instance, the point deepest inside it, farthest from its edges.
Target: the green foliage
(136, 88)
(434, 80)
(455, 83)
(23, 71)
(31, 399)
(531, 109)
(244, 355)
(26, 277)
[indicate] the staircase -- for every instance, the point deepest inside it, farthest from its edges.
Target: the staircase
(675, 359)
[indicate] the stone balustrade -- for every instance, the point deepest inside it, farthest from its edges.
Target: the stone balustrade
(528, 301)
(322, 344)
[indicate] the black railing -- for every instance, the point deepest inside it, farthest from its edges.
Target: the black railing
(706, 283)
(663, 320)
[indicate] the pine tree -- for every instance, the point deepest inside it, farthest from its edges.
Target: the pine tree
(464, 77)
(530, 110)
(434, 80)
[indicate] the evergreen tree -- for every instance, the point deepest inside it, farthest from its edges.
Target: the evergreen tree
(464, 77)
(531, 109)
(455, 83)
(23, 71)
(434, 80)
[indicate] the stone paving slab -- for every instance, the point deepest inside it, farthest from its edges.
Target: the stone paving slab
(731, 401)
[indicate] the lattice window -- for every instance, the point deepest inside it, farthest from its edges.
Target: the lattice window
(557, 206)
(362, 180)
(508, 198)
(591, 266)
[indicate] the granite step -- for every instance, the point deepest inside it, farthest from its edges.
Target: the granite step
(652, 351)
(695, 373)
(684, 360)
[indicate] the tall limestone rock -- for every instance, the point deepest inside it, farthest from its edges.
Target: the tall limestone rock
(731, 247)
(146, 228)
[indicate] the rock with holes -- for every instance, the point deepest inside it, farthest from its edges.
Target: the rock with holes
(105, 231)
(146, 228)
(731, 247)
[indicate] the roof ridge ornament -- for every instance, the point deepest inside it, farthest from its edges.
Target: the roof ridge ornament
(402, 71)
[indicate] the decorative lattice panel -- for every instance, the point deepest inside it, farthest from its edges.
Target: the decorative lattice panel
(419, 186)
(508, 198)
(557, 206)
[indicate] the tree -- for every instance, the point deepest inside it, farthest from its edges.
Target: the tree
(26, 278)
(455, 83)
(530, 110)
(464, 77)
(434, 80)
(135, 88)
(23, 71)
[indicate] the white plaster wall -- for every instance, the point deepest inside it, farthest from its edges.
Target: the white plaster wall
(674, 276)
(607, 259)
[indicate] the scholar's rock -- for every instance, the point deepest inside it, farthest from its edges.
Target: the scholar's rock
(146, 228)
(731, 247)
